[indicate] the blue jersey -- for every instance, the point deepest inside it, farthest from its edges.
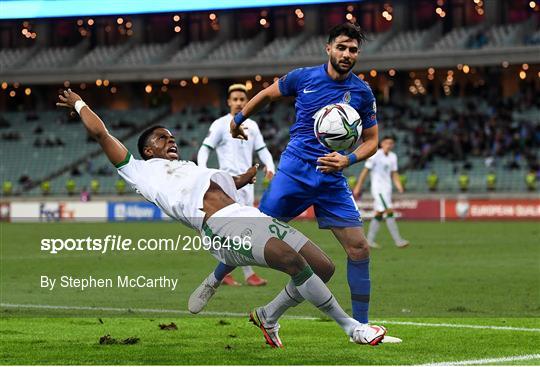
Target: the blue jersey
(298, 184)
(314, 89)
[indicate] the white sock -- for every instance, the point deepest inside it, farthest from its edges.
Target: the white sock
(288, 297)
(374, 226)
(211, 279)
(317, 293)
(248, 271)
(394, 231)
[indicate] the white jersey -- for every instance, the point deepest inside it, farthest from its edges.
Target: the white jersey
(234, 155)
(381, 167)
(176, 187)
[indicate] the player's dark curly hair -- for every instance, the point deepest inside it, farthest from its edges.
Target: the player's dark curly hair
(391, 137)
(143, 139)
(347, 29)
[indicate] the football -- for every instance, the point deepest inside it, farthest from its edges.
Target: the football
(337, 126)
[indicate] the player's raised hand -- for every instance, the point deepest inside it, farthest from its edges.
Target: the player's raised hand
(248, 177)
(269, 175)
(251, 173)
(332, 162)
(237, 131)
(68, 98)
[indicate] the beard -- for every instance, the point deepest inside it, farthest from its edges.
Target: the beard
(335, 63)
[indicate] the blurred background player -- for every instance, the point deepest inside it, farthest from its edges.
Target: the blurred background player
(383, 167)
(236, 156)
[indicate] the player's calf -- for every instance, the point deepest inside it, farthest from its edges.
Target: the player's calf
(355, 244)
(282, 257)
(321, 264)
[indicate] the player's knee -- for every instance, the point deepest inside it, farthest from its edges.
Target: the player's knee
(358, 250)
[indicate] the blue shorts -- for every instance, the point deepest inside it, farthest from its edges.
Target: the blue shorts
(297, 185)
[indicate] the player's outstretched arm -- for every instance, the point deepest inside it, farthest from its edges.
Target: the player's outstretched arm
(249, 177)
(264, 154)
(397, 181)
(370, 142)
(357, 190)
(113, 148)
(202, 156)
(333, 162)
(254, 105)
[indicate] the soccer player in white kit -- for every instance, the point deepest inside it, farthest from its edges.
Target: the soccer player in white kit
(235, 157)
(205, 199)
(383, 169)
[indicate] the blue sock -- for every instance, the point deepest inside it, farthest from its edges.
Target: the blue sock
(222, 270)
(360, 285)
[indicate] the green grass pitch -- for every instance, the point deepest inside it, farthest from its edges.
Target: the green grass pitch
(484, 273)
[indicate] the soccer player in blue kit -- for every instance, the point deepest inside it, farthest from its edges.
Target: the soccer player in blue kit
(310, 174)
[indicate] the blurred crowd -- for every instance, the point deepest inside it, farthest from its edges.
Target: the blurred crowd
(502, 132)
(481, 128)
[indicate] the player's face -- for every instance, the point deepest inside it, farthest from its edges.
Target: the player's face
(343, 52)
(236, 101)
(387, 145)
(162, 145)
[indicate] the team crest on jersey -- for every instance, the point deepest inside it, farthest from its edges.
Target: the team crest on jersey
(347, 97)
(246, 233)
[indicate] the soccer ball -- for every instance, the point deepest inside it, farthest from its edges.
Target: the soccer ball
(337, 126)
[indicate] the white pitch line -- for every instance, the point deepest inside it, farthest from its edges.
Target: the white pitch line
(137, 310)
(240, 314)
(486, 361)
(459, 326)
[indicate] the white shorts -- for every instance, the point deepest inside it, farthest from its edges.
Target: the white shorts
(245, 223)
(246, 195)
(382, 201)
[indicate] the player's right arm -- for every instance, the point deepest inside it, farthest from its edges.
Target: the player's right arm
(357, 191)
(254, 105)
(112, 147)
(286, 86)
(395, 175)
(214, 137)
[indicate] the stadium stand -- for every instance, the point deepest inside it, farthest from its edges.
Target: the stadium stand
(473, 133)
(281, 47)
(194, 51)
(10, 58)
(533, 39)
(102, 55)
(55, 143)
(151, 53)
(236, 49)
(445, 136)
(411, 40)
(457, 38)
(302, 46)
(509, 34)
(312, 47)
(374, 41)
(55, 57)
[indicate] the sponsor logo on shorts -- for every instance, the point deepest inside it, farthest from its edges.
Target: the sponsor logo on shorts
(246, 233)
